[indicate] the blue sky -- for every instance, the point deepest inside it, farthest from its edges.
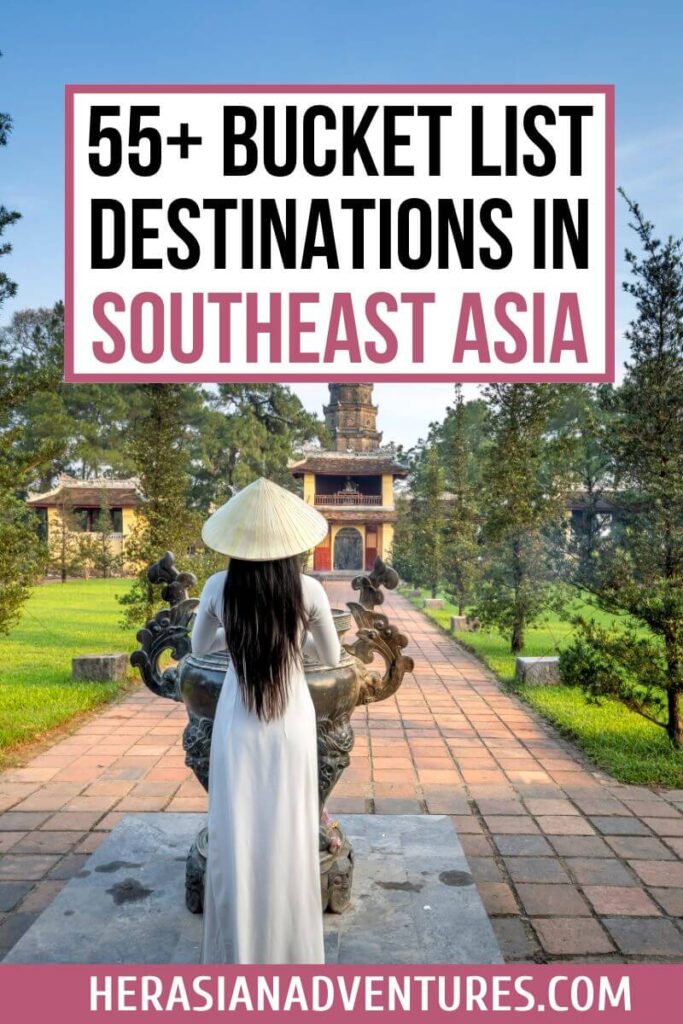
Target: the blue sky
(47, 43)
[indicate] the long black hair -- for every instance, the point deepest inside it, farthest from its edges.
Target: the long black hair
(264, 616)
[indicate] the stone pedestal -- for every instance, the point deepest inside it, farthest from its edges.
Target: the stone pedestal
(459, 624)
(100, 668)
(436, 603)
(414, 900)
(538, 671)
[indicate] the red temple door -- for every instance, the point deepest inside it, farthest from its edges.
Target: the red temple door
(370, 547)
(321, 556)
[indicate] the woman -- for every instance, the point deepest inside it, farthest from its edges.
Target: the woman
(262, 888)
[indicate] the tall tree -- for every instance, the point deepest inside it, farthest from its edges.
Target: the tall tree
(641, 571)
(34, 419)
(97, 547)
(468, 421)
(65, 549)
(83, 427)
(461, 514)
(160, 447)
(524, 479)
(23, 555)
(584, 417)
(402, 548)
(428, 519)
(247, 431)
(236, 432)
(8, 288)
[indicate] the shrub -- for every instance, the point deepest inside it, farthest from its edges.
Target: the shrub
(618, 663)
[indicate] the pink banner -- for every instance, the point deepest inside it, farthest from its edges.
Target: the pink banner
(84, 993)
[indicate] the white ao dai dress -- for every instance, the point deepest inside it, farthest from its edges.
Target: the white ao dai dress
(262, 901)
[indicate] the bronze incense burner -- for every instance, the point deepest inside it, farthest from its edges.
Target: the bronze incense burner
(196, 680)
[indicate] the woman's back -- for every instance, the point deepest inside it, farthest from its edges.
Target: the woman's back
(208, 633)
(263, 901)
(262, 886)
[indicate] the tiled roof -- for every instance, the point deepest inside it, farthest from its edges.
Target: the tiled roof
(578, 501)
(348, 464)
(89, 493)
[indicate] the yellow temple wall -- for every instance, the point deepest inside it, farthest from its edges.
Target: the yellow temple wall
(386, 541)
(129, 516)
(387, 490)
(117, 541)
(54, 524)
(309, 488)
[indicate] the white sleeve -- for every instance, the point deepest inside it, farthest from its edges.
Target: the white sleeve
(208, 633)
(320, 622)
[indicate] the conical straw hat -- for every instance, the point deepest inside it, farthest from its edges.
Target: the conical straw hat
(264, 522)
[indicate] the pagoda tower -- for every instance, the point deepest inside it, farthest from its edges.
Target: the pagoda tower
(351, 418)
(351, 483)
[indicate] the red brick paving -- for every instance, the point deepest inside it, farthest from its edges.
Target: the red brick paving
(569, 863)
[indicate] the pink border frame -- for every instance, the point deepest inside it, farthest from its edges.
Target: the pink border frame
(304, 378)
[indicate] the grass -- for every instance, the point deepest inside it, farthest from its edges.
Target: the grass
(619, 741)
(81, 617)
(59, 622)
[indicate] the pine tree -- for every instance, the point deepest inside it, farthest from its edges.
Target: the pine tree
(22, 552)
(583, 418)
(428, 520)
(402, 548)
(160, 447)
(66, 551)
(641, 571)
(8, 288)
(461, 522)
(525, 474)
(97, 546)
(247, 431)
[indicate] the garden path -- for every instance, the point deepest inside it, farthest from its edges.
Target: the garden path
(569, 863)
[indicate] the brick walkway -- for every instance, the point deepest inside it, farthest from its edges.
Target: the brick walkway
(568, 862)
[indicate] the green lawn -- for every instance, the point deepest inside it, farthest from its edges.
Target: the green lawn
(80, 617)
(618, 740)
(58, 622)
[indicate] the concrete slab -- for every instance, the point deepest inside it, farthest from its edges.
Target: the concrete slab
(414, 900)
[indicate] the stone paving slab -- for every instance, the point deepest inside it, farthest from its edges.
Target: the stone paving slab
(414, 900)
(127, 905)
(450, 742)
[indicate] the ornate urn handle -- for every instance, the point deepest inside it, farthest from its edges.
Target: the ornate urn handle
(376, 635)
(168, 630)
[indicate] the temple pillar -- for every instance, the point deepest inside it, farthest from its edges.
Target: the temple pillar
(309, 488)
(387, 541)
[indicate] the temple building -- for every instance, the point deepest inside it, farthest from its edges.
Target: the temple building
(78, 504)
(351, 483)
